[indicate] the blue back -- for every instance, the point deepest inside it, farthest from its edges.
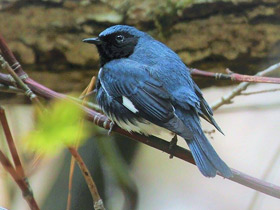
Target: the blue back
(167, 68)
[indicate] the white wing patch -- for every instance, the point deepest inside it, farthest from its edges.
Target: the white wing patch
(129, 105)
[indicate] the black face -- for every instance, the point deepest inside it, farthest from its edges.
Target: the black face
(114, 46)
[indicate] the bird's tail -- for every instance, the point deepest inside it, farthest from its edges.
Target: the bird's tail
(206, 158)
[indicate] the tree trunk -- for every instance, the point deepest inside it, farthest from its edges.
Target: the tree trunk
(242, 35)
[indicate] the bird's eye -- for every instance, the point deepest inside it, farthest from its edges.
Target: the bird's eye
(119, 38)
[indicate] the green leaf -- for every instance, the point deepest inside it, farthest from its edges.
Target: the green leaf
(58, 126)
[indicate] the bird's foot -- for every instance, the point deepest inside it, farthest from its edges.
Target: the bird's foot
(172, 143)
(112, 124)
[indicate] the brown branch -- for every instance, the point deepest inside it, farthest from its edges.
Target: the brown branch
(72, 163)
(49, 94)
(11, 143)
(25, 188)
(184, 154)
(19, 81)
(17, 173)
(98, 203)
(235, 77)
(119, 169)
(157, 143)
(10, 89)
(9, 57)
(71, 173)
(260, 91)
(227, 99)
(271, 165)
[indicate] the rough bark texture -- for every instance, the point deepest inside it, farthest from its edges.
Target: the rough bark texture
(46, 36)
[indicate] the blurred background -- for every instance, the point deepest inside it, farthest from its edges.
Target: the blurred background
(242, 35)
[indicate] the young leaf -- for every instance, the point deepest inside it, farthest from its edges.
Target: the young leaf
(59, 126)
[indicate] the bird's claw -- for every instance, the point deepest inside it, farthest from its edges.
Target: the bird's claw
(172, 143)
(112, 124)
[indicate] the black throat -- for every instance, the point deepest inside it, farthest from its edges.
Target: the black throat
(109, 49)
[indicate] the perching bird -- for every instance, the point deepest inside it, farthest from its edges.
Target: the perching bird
(143, 86)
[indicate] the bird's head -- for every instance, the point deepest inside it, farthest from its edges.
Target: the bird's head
(116, 42)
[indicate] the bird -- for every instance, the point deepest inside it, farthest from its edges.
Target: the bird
(143, 86)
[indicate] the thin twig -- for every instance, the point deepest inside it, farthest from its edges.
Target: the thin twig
(268, 170)
(227, 99)
(18, 72)
(85, 103)
(10, 58)
(20, 83)
(260, 91)
(98, 203)
(72, 163)
(186, 155)
(235, 77)
(71, 173)
(11, 143)
(89, 94)
(25, 188)
(89, 88)
(18, 172)
(10, 89)
(120, 171)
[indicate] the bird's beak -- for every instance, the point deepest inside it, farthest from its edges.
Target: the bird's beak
(95, 41)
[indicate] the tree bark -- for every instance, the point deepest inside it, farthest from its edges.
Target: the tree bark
(241, 35)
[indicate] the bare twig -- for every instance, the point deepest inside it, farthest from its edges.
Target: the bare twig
(185, 155)
(268, 170)
(71, 173)
(98, 203)
(72, 163)
(10, 58)
(260, 91)
(10, 89)
(235, 77)
(11, 143)
(227, 99)
(20, 83)
(120, 171)
(25, 188)
(89, 88)
(18, 72)
(17, 173)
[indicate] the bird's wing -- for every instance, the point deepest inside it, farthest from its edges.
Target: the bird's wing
(184, 91)
(130, 84)
(205, 111)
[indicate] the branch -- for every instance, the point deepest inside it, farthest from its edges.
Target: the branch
(17, 173)
(25, 188)
(179, 152)
(260, 91)
(98, 203)
(10, 89)
(235, 77)
(11, 143)
(241, 87)
(23, 81)
(184, 154)
(10, 58)
(120, 170)
(19, 81)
